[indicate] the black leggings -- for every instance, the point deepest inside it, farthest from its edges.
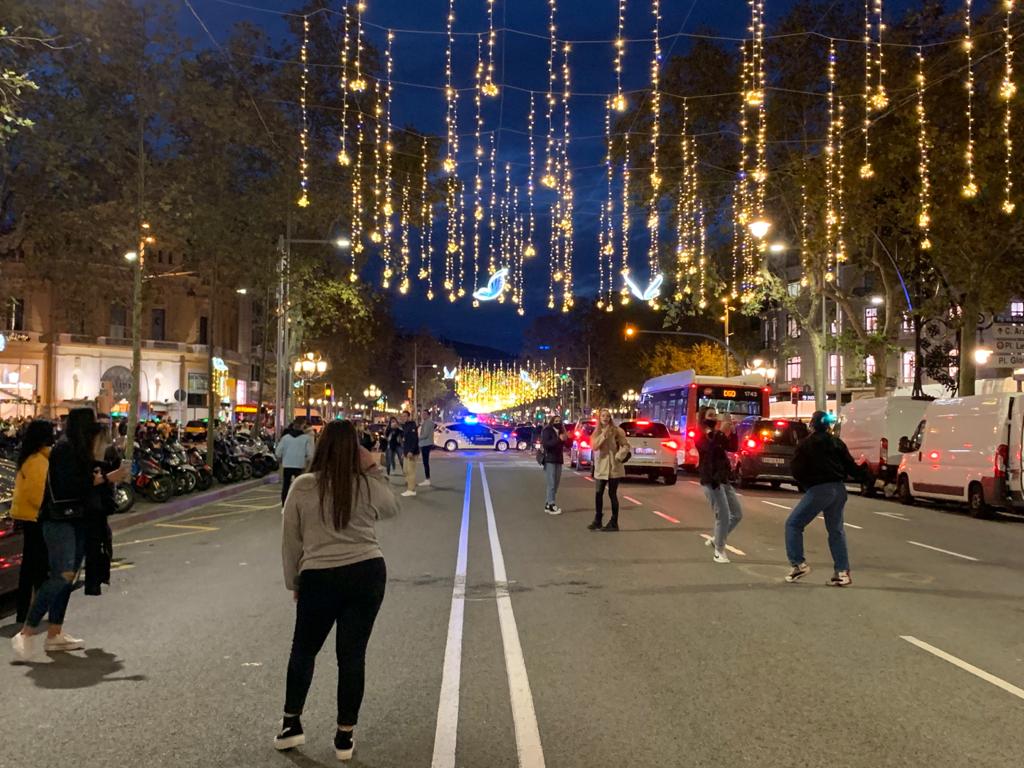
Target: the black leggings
(287, 475)
(350, 596)
(34, 567)
(613, 494)
(425, 454)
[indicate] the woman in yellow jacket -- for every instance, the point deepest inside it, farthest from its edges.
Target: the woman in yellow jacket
(29, 485)
(610, 447)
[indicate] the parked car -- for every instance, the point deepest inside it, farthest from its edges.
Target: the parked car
(872, 428)
(580, 453)
(966, 450)
(653, 450)
(463, 435)
(766, 448)
(10, 551)
(524, 436)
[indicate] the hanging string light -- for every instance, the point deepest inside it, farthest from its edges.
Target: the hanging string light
(686, 211)
(742, 212)
(387, 204)
(566, 224)
(624, 250)
(619, 102)
(867, 171)
(653, 222)
(426, 224)
(357, 197)
(606, 231)
(529, 250)
(358, 82)
(405, 258)
(970, 186)
(490, 88)
(478, 159)
(453, 246)
(492, 206)
(303, 200)
(343, 156)
(378, 164)
(831, 159)
(549, 179)
(754, 250)
(1007, 90)
(924, 214)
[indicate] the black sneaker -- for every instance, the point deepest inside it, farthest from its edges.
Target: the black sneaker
(594, 526)
(798, 572)
(840, 579)
(610, 526)
(291, 734)
(344, 745)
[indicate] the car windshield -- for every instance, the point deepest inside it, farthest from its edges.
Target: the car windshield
(644, 429)
(780, 431)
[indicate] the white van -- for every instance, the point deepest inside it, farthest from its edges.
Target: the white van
(872, 427)
(968, 450)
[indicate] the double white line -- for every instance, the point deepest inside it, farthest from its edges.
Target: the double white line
(524, 716)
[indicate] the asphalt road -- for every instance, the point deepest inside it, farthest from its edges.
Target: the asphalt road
(559, 646)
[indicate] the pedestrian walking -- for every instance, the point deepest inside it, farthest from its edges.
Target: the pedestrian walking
(410, 450)
(335, 568)
(99, 545)
(821, 464)
(715, 441)
(393, 446)
(69, 484)
(427, 427)
(552, 445)
(29, 484)
(611, 450)
(294, 451)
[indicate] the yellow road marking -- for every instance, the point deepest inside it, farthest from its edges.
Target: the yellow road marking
(187, 527)
(158, 538)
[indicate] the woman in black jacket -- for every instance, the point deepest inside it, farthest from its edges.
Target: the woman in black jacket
(552, 442)
(70, 482)
(393, 440)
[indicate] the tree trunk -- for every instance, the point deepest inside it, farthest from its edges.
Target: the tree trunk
(820, 377)
(881, 357)
(263, 364)
(918, 392)
(968, 343)
(212, 396)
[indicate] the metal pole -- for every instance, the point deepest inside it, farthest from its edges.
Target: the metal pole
(415, 376)
(728, 351)
(821, 397)
(307, 401)
(133, 403)
(588, 380)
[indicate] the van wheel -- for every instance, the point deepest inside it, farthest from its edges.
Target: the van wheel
(903, 491)
(867, 486)
(976, 506)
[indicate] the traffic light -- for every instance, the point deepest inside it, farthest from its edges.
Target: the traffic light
(564, 377)
(794, 395)
(327, 391)
(630, 331)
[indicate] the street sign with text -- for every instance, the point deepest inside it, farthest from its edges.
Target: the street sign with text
(1008, 346)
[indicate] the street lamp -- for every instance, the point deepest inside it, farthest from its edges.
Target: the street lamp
(759, 228)
(982, 355)
(725, 318)
(878, 300)
(308, 368)
(777, 248)
(372, 394)
(631, 397)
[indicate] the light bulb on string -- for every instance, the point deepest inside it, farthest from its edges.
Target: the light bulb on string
(624, 229)
(653, 220)
(1007, 90)
(529, 251)
(618, 102)
(386, 205)
(343, 156)
(426, 223)
(970, 185)
(358, 82)
(452, 201)
(478, 156)
(303, 200)
(923, 166)
(489, 87)
(566, 198)
(549, 179)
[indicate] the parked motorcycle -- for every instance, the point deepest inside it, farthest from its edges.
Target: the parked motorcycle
(204, 472)
(149, 477)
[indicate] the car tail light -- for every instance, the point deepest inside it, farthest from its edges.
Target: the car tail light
(576, 433)
(780, 423)
(584, 444)
(1002, 458)
(750, 444)
(934, 455)
(691, 433)
(883, 451)
(642, 423)
(672, 445)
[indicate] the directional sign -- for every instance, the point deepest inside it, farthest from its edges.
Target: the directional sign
(179, 395)
(1008, 346)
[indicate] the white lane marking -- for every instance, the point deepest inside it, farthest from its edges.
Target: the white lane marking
(966, 666)
(588, 477)
(446, 732)
(730, 547)
(780, 506)
(848, 525)
(944, 551)
(693, 482)
(630, 498)
(667, 517)
(893, 515)
(524, 716)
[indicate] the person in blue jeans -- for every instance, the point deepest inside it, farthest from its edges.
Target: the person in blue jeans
(821, 465)
(714, 443)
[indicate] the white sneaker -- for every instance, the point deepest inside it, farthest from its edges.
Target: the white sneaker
(408, 493)
(553, 510)
(28, 647)
(425, 482)
(720, 557)
(64, 642)
(708, 541)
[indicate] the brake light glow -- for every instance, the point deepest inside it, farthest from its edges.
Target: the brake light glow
(750, 443)
(584, 444)
(576, 433)
(934, 455)
(1001, 459)
(691, 433)
(642, 423)
(883, 450)
(672, 445)
(780, 423)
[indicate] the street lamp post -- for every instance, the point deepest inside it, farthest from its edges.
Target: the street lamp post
(415, 376)
(372, 394)
(728, 308)
(631, 397)
(138, 259)
(308, 368)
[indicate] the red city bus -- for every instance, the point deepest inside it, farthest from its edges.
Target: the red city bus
(675, 399)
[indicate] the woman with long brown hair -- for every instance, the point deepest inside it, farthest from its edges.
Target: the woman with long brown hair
(335, 568)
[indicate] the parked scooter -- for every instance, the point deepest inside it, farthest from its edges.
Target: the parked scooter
(149, 477)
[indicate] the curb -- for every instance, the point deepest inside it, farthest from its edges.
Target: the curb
(181, 504)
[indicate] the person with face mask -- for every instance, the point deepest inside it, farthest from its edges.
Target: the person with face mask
(611, 448)
(714, 442)
(552, 443)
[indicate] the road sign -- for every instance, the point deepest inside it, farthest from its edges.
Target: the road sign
(179, 395)
(1008, 347)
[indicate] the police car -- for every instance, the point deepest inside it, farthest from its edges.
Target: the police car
(471, 435)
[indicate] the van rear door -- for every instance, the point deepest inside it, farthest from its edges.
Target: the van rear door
(1015, 469)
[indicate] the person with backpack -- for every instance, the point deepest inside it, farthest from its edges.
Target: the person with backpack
(29, 485)
(70, 481)
(821, 465)
(294, 451)
(552, 450)
(714, 443)
(611, 450)
(335, 568)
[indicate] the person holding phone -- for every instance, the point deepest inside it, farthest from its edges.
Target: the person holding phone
(714, 443)
(552, 444)
(611, 450)
(69, 486)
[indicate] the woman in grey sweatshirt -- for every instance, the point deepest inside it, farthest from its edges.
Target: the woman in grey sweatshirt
(335, 568)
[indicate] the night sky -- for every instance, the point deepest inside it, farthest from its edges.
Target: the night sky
(521, 65)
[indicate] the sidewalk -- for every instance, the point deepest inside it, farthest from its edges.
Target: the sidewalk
(147, 512)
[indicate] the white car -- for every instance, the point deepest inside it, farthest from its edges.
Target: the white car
(580, 453)
(463, 435)
(967, 450)
(653, 450)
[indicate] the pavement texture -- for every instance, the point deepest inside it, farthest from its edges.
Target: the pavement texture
(591, 649)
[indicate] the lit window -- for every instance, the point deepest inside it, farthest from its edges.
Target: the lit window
(792, 327)
(793, 289)
(908, 323)
(834, 367)
(869, 368)
(792, 368)
(907, 361)
(871, 319)
(1017, 309)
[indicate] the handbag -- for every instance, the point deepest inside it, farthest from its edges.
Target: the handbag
(62, 510)
(625, 453)
(540, 456)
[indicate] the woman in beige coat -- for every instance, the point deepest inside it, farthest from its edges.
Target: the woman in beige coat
(610, 446)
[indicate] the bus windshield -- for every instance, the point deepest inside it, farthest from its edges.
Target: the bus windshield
(737, 400)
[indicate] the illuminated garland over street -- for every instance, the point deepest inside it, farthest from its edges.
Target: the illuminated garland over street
(494, 387)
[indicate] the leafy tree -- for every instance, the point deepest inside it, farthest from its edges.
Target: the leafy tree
(705, 358)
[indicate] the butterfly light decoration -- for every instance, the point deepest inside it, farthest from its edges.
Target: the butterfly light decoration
(534, 384)
(495, 286)
(650, 293)
(449, 374)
